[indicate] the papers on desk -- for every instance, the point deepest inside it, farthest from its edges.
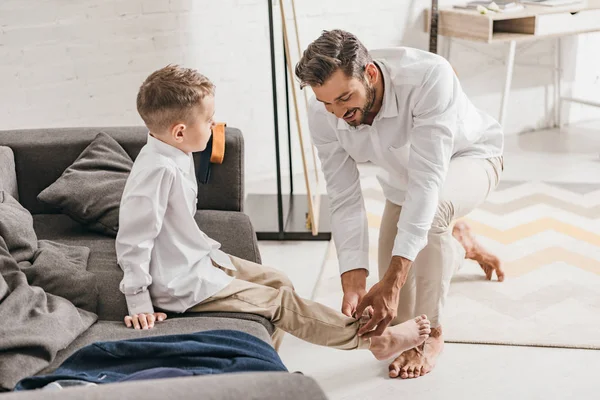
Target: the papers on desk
(495, 6)
(552, 3)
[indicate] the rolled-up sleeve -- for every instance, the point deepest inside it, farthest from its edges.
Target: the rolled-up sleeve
(431, 142)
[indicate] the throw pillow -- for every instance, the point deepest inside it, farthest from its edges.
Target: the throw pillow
(61, 270)
(57, 268)
(16, 227)
(90, 190)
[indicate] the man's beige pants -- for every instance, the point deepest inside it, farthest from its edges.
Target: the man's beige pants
(468, 183)
(265, 291)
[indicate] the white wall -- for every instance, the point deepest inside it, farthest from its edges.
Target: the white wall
(67, 63)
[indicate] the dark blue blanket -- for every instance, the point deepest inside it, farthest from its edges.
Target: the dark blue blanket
(202, 353)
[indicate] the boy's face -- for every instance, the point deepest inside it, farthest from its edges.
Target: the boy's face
(200, 127)
(193, 135)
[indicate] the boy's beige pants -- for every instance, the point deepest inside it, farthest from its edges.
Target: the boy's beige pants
(468, 183)
(266, 291)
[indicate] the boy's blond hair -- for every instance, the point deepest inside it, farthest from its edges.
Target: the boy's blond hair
(168, 95)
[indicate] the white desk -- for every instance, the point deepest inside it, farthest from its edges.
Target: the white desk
(532, 23)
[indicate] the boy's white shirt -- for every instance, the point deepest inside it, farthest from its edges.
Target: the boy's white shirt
(165, 257)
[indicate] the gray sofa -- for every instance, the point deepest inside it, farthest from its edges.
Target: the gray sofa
(39, 157)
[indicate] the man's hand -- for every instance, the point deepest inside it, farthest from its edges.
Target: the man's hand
(354, 284)
(383, 297)
(144, 321)
(351, 301)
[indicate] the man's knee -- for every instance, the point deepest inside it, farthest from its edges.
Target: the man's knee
(443, 217)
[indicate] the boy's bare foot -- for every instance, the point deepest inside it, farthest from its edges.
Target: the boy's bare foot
(474, 251)
(399, 338)
(420, 360)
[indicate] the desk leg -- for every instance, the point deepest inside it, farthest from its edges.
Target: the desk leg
(448, 48)
(510, 62)
(557, 84)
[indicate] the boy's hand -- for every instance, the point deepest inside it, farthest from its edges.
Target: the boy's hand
(144, 321)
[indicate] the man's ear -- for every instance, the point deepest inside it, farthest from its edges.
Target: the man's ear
(177, 132)
(371, 73)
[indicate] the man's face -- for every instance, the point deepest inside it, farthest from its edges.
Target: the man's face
(349, 98)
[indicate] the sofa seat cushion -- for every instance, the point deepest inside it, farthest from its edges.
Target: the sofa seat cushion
(232, 229)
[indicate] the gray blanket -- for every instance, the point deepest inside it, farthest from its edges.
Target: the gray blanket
(42, 284)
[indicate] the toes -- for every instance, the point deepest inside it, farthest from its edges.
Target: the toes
(418, 372)
(422, 319)
(488, 272)
(500, 275)
(423, 322)
(404, 373)
(411, 373)
(394, 370)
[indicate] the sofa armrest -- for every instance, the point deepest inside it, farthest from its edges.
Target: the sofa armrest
(8, 174)
(247, 386)
(233, 230)
(225, 189)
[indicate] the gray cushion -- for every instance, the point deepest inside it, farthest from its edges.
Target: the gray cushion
(61, 270)
(232, 229)
(16, 227)
(35, 325)
(8, 175)
(90, 190)
(58, 269)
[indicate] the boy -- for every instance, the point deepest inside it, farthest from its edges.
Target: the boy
(169, 262)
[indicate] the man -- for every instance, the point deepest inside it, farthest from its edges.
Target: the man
(403, 110)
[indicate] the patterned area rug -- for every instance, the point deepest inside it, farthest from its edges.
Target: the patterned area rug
(548, 237)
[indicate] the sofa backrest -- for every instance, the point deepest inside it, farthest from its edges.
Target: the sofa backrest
(8, 175)
(42, 155)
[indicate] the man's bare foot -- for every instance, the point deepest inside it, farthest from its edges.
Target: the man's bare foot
(399, 338)
(421, 360)
(474, 251)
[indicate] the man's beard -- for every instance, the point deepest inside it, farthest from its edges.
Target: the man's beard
(366, 109)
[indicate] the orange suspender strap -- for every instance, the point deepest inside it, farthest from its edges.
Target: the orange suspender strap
(218, 145)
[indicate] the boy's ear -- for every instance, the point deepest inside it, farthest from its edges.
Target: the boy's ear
(177, 132)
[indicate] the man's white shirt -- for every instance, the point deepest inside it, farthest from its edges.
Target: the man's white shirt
(425, 120)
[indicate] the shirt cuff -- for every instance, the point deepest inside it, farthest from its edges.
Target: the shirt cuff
(408, 245)
(351, 260)
(139, 303)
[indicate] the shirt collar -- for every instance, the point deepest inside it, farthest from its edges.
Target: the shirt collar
(181, 158)
(389, 107)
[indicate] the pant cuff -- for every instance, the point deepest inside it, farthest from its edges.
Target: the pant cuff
(364, 344)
